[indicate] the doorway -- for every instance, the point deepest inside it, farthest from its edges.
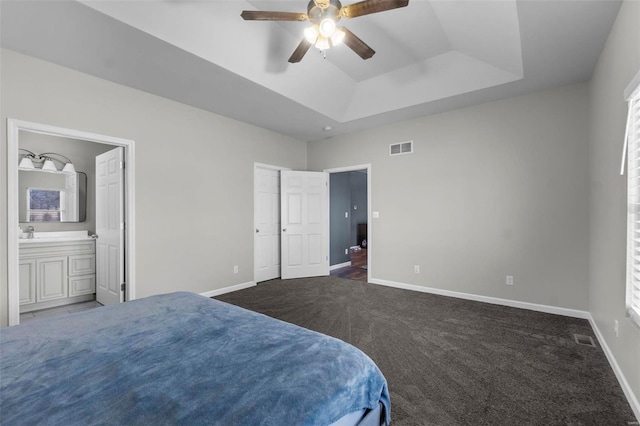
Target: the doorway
(350, 211)
(349, 224)
(16, 128)
(267, 254)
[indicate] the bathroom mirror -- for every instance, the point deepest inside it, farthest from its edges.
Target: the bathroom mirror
(51, 197)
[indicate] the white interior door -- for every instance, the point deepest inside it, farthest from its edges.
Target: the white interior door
(110, 226)
(304, 222)
(267, 224)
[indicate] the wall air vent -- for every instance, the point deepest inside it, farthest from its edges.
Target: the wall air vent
(401, 148)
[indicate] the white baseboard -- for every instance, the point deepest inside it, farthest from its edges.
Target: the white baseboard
(486, 299)
(340, 265)
(628, 392)
(229, 289)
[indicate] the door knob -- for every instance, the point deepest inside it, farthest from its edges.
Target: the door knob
(257, 230)
(284, 229)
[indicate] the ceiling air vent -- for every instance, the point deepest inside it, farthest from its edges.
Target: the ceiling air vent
(401, 148)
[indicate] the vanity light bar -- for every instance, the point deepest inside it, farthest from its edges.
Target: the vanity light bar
(26, 163)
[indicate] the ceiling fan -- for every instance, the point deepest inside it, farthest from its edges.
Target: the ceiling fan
(324, 15)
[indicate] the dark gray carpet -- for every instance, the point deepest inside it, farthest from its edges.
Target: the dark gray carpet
(456, 362)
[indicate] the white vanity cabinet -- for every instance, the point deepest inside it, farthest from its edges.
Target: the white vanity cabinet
(27, 276)
(82, 274)
(56, 273)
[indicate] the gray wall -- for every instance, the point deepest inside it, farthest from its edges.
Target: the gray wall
(340, 226)
(358, 183)
(348, 190)
(493, 190)
(83, 155)
(618, 63)
(194, 172)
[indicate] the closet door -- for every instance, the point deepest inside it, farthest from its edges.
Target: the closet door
(305, 224)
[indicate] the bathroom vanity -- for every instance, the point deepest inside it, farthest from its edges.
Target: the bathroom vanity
(56, 268)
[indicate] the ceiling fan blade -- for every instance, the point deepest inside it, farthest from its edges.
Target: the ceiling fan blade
(300, 51)
(259, 15)
(357, 45)
(367, 7)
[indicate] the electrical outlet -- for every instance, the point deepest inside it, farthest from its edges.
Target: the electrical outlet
(235, 269)
(346, 214)
(509, 280)
(616, 328)
(416, 269)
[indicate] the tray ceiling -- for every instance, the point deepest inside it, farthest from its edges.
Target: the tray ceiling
(431, 56)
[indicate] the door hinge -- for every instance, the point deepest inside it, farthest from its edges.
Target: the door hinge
(122, 165)
(123, 286)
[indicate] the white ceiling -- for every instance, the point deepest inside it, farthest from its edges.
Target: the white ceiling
(431, 56)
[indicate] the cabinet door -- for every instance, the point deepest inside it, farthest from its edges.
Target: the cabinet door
(52, 278)
(27, 278)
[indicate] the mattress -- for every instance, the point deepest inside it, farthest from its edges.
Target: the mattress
(181, 358)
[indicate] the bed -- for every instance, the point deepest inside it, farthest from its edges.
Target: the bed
(182, 358)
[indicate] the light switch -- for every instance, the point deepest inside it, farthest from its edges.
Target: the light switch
(376, 215)
(355, 207)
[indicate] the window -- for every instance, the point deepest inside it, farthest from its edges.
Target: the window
(633, 200)
(44, 205)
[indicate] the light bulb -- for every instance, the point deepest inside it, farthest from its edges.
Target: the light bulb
(69, 168)
(48, 165)
(26, 163)
(322, 43)
(327, 27)
(311, 34)
(337, 37)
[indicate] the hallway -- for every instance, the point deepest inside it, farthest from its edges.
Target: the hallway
(358, 269)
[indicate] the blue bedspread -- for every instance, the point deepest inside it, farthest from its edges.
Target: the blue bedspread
(180, 358)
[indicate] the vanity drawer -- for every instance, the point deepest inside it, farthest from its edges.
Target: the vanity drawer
(82, 285)
(82, 264)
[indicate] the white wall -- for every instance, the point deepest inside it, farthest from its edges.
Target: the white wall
(618, 63)
(493, 190)
(194, 172)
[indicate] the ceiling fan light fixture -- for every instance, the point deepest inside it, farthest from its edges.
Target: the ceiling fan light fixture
(337, 37)
(327, 27)
(322, 43)
(311, 34)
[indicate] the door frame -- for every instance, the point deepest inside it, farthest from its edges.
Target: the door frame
(257, 166)
(14, 126)
(366, 167)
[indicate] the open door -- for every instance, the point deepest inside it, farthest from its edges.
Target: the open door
(110, 227)
(304, 222)
(267, 223)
